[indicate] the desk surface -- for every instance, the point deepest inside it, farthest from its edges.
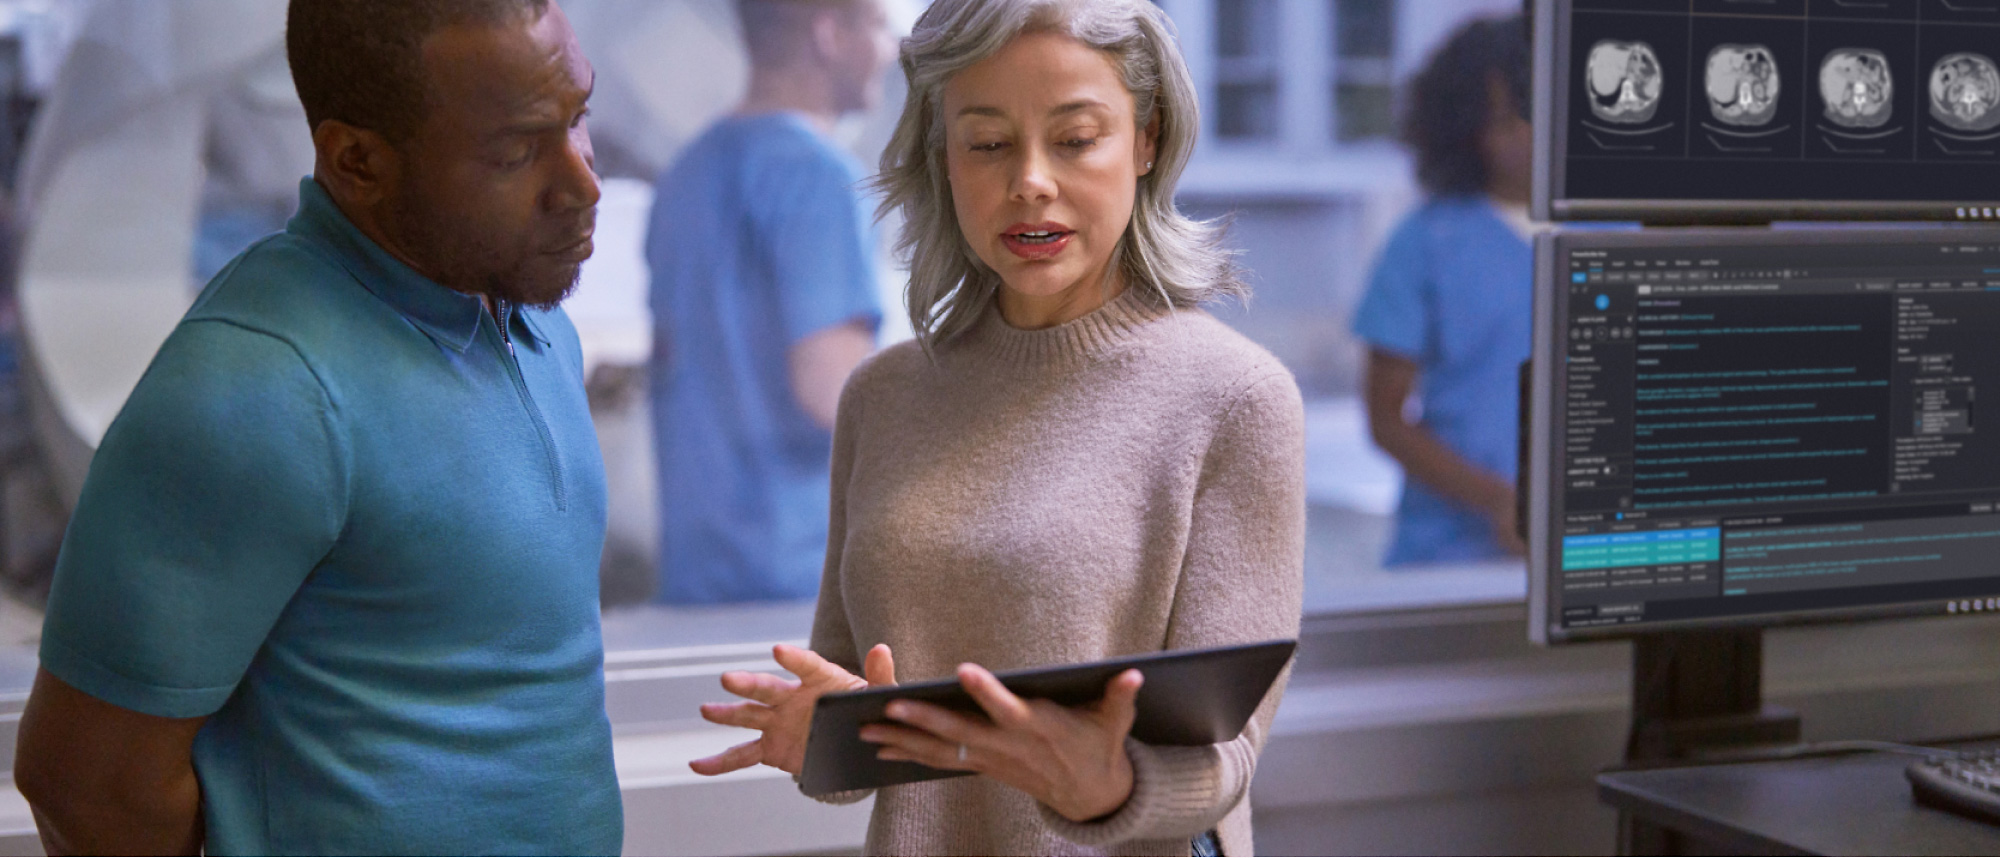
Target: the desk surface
(1854, 804)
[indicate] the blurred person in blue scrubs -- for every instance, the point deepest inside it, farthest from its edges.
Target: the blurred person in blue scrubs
(763, 260)
(1447, 312)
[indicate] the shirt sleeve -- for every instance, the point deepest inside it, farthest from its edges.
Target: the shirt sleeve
(818, 243)
(218, 489)
(1242, 581)
(1396, 314)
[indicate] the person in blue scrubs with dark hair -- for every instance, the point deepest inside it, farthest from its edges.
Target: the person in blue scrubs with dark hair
(331, 587)
(1447, 313)
(764, 300)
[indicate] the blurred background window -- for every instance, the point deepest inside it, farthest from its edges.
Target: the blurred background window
(1246, 71)
(145, 143)
(1364, 69)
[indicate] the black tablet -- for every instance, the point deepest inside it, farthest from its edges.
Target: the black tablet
(1190, 697)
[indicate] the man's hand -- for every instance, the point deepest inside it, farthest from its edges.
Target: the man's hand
(103, 780)
(782, 708)
(1070, 758)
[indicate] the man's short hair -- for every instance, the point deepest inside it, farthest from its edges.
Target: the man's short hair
(774, 30)
(361, 61)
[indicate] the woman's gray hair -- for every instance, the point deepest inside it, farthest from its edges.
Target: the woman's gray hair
(1175, 260)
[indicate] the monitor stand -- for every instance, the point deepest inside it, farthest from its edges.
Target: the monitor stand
(1699, 695)
(1696, 695)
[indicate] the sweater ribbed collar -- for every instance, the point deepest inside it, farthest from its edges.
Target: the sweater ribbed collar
(1071, 344)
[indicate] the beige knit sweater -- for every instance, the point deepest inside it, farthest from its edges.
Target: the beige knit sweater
(1129, 482)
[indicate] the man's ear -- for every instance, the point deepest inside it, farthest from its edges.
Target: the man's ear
(826, 35)
(357, 166)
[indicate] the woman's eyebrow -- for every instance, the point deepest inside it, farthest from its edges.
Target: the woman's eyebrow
(1074, 106)
(1058, 110)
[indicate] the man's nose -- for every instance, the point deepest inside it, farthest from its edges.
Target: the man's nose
(576, 184)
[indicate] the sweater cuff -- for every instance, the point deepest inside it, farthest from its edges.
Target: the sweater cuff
(1176, 792)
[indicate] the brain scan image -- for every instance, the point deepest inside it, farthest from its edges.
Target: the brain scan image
(1742, 83)
(1856, 86)
(1965, 92)
(1624, 81)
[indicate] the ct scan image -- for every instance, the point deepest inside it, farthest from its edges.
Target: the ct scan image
(1865, 90)
(1965, 92)
(1742, 83)
(1632, 82)
(1747, 84)
(1857, 88)
(1625, 82)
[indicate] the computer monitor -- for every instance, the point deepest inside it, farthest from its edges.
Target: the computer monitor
(1728, 111)
(1743, 428)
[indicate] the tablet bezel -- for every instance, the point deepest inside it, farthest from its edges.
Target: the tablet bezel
(1229, 682)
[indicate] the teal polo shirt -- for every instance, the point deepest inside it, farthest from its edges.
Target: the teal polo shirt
(356, 523)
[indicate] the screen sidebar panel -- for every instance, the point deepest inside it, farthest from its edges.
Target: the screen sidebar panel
(1777, 427)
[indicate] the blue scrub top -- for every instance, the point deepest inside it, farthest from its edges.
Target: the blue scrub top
(1453, 292)
(759, 238)
(349, 524)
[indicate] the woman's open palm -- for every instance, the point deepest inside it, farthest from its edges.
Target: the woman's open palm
(781, 709)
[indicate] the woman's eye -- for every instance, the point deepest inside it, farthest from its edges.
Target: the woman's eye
(1080, 142)
(988, 147)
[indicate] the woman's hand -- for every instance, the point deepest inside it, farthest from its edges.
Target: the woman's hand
(782, 708)
(1071, 759)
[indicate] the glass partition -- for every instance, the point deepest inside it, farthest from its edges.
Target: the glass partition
(173, 127)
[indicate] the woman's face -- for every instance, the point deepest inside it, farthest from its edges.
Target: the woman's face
(1044, 158)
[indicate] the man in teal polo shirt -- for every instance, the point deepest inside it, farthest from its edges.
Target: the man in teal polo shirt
(332, 583)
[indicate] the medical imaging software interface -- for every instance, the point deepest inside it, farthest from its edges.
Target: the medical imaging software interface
(1830, 100)
(1759, 429)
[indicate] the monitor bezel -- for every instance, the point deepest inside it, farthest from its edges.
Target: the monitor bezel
(1549, 343)
(1548, 201)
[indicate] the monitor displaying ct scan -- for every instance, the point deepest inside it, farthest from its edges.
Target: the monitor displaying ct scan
(1717, 111)
(1752, 427)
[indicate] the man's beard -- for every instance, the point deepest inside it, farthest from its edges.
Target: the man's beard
(520, 289)
(465, 265)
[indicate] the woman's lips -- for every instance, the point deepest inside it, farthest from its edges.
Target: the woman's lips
(1036, 243)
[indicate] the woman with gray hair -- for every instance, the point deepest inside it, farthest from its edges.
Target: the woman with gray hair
(1072, 462)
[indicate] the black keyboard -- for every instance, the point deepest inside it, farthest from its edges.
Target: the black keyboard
(1967, 784)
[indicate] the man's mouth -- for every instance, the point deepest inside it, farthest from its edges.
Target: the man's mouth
(577, 250)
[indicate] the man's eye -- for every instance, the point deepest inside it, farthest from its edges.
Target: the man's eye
(517, 159)
(580, 117)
